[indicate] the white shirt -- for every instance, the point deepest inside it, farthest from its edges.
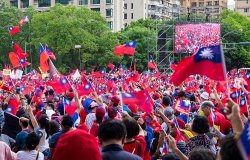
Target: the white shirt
(44, 143)
(29, 155)
(89, 121)
(49, 113)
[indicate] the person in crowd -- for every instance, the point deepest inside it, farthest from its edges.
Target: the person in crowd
(135, 141)
(21, 136)
(66, 125)
(31, 152)
(6, 153)
(41, 125)
(112, 134)
(215, 117)
(200, 126)
(77, 144)
(100, 113)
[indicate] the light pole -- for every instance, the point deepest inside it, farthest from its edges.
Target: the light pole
(79, 48)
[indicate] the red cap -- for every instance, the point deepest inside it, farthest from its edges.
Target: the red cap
(115, 99)
(156, 96)
(75, 145)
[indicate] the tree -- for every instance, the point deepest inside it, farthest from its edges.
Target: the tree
(63, 27)
(235, 28)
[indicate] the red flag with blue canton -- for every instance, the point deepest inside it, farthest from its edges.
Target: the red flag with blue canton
(129, 98)
(44, 65)
(146, 103)
(18, 50)
(152, 64)
(69, 106)
(206, 61)
(85, 89)
(182, 106)
(244, 142)
(126, 49)
(50, 52)
(13, 30)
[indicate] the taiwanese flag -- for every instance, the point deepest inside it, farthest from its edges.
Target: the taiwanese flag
(182, 106)
(99, 74)
(247, 79)
(152, 64)
(44, 65)
(243, 105)
(85, 89)
(64, 83)
(26, 89)
(24, 20)
(50, 52)
(134, 76)
(13, 106)
(126, 49)
(69, 106)
(13, 30)
(129, 98)
(14, 60)
(244, 142)
(24, 62)
(145, 101)
(206, 61)
(111, 66)
(18, 50)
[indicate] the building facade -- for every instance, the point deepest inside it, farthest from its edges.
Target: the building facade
(243, 7)
(119, 13)
(211, 7)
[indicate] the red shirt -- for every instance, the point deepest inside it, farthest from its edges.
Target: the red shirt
(138, 146)
(219, 120)
(94, 129)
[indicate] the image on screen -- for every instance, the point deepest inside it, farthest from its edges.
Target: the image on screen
(190, 37)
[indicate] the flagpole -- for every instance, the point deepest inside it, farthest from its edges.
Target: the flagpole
(225, 70)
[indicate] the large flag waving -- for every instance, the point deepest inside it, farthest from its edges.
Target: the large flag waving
(206, 61)
(126, 49)
(13, 30)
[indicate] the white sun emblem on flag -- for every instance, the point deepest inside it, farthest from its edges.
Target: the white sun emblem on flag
(207, 53)
(131, 43)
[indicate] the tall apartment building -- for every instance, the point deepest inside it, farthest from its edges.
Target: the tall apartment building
(213, 7)
(243, 7)
(163, 9)
(119, 13)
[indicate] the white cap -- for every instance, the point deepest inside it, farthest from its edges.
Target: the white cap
(204, 95)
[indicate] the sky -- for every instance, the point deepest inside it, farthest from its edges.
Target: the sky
(230, 2)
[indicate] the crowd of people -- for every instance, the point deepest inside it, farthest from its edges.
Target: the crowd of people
(57, 124)
(190, 37)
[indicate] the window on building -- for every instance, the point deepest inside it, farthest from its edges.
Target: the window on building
(132, 6)
(44, 3)
(209, 3)
(132, 15)
(66, 2)
(109, 12)
(109, 1)
(125, 5)
(246, 9)
(95, 9)
(125, 25)
(193, 4)
(95, 1)
(125, 16)
(216, 3)
(24, 3)
(14, 3)
(110, 25)
(83, 2)
(201, 4)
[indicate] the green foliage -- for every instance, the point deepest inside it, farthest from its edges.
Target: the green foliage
(235, 28)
